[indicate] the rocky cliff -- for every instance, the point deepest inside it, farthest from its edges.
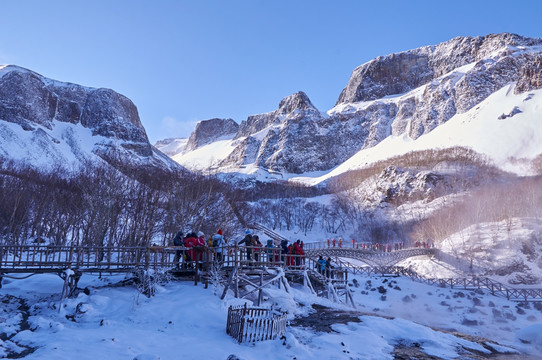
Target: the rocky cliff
(262, 138)
(53, 112)
(409, 93)
(401, 72)
(452, 77)
(211, 130)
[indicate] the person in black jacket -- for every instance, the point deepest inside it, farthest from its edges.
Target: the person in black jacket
(284, 247)
(177, 241)
(329, 274)
(247, 241)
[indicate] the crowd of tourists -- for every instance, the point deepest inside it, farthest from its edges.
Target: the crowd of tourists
(195, 248)
(198, 248)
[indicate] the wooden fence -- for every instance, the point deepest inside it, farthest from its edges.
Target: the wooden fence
(254, 324)
(471, 283)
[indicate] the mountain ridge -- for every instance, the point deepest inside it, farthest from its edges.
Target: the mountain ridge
(461, 73)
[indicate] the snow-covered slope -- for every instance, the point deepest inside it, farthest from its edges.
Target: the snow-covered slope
(505, 127)
(171, 146)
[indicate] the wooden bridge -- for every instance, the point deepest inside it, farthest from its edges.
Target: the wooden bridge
(241, 265)
(369, 257)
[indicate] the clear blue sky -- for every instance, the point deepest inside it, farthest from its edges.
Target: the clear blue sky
(185, 61)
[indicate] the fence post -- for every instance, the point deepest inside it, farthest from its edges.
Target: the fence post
(242, 328)
(228, 321)
(260, 291)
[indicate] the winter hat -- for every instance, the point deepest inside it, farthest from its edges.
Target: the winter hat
(200, 234)
(219, 232)
(247, 231)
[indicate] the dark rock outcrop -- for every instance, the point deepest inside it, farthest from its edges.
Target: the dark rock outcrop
(530, 77)
(291, 133)
(292, 108)
(405, 71)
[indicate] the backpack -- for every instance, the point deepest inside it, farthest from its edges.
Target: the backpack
(217, 240)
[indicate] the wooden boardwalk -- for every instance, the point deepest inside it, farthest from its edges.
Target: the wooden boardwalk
(53, 259)
(37, 259)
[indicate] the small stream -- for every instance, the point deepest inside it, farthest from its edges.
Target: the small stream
(323, 318)
(11, 306)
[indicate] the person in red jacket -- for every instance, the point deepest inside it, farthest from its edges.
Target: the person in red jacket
(189, 242)
(290, 260)
(199, 248)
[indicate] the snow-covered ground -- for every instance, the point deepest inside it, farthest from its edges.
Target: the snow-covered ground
(187, 321)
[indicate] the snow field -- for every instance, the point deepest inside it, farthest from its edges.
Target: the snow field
(187, 321)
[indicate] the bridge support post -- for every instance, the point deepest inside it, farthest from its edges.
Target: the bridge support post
(71, 279)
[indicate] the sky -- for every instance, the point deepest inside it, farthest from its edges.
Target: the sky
(181, 62)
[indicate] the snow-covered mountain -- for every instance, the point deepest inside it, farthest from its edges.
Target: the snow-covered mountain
(46, 123)
(481, 93)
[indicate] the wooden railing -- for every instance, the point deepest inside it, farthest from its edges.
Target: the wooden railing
(495, 288)
(50, 258)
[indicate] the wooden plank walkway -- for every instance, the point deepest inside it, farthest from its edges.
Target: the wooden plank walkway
(36, 259)
(54, 259)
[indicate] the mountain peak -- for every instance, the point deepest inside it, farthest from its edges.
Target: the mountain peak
(296, 101)
(4, 69)
(51, 113)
